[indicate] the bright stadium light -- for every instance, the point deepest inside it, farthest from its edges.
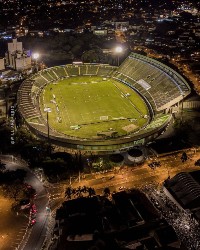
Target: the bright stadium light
(118, 51)
(35, 56)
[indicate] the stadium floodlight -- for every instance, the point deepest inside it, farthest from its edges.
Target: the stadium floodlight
(48, 110)
(118, 51)
(35, 56)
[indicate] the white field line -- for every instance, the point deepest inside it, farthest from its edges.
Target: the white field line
(123, 100)
(129, 100)
(63, 117)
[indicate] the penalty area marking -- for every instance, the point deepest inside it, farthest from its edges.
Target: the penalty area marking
(104, 118)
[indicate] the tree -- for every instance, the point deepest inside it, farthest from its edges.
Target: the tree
(5, 134)
(78, 162)
(10, 177)
(14, 190)
(182, 130)
(66, 157)
(67, 47)
(197, 163)
(91, 192)
(76, 49)
(54, 169)
(106, 191)
(68, 193)
(100, 53)
(34, 152)
(23, 137)
(184, 157)
(90, 56)
(19, 174)
(30, 192)
(79, 192)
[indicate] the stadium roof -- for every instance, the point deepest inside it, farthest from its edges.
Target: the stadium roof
(185, 189)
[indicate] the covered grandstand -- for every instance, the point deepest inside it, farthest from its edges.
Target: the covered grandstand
(159, 86)
(184, 190)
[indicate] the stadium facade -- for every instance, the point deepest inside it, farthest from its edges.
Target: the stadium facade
(160, 87)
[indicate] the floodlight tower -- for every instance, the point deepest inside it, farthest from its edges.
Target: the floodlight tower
(118, 51)
(35, 56)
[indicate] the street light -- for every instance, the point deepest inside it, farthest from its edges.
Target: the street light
(48, 110)
(35, 56)
(118, 51)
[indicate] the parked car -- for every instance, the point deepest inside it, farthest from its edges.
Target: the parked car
(33, 221)
(33, 209)
(25, 203)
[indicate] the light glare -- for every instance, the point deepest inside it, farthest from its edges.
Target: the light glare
(118, 49)
(36, 56)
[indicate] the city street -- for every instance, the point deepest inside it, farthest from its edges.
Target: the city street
(33, 236)
(139, 176)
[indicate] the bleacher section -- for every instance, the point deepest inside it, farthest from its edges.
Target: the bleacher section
(161, 85)
(72, 70)
(25, 101)
(45, 74)
(105, 70)
(83, 69)
(39, 81)
(53, 74)
(92, 69)
(60, 71)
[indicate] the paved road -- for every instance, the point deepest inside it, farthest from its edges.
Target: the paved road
(141, 175)
(36, 234)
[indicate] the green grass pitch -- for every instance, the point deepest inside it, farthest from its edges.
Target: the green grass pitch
(88, 105)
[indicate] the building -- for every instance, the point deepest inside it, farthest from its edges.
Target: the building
(16, 57)
(2, 64)
(123, 26)
(184, 190)
(2, 105)
(118, 223)
(23, 62)
(100, 32)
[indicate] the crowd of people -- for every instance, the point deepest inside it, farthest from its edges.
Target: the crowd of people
(185, 226)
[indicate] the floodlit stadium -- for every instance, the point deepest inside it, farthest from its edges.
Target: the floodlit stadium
(101, 108)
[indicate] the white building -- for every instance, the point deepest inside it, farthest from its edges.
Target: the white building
(23, 62)
(2, 64)
(14, 46)
(16, 57)
(100, 32)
